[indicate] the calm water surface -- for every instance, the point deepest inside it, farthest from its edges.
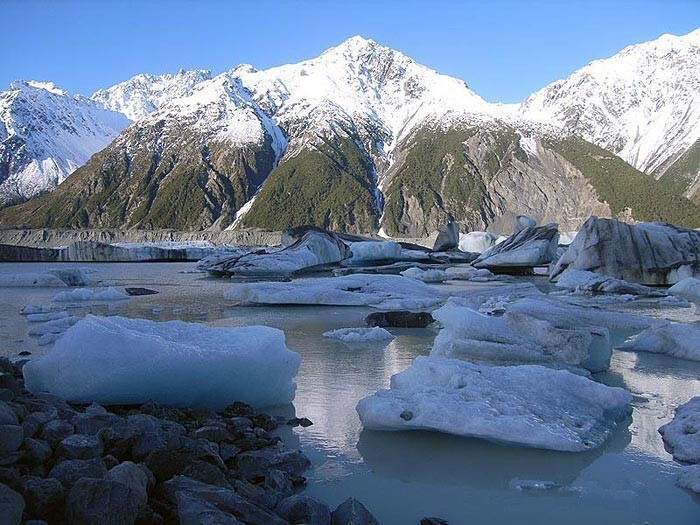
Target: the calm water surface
(402, 477)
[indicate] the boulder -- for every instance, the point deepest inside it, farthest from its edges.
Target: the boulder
(56, 431)
(447, 237)
(37, 451)
(79, 446)
(653, 253)
(7, 415)
(11, 505)
(71, 470)
(299, 509)
(133, 476)
(524, 250)
(102, 501)
(11, 437)
(192, 510)
(352, 512)
(44, 497)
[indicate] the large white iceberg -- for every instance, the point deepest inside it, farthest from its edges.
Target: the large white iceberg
(360, 335)
(688, 289)
(527, 405)
(673, 339)
(478, 242)
(114, 360)
(652, 253)
(517, 338)
(391, 292)
(682, 435)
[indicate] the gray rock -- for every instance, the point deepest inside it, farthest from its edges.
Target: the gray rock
(399, 319)
(44, 497)
(299, 509)
(139, 291)
(526, 249)
(37, 452)
(653, 253)
(12, 505)
(7, 415)
(71, 470)
(352, 512)
(192, 510)
(278, 481)
(80, 446)
(94, 419)
(213, 433)
(36, 420)
(224, 499)
(11, 437)
(259, 462)
(133, 476)
(228, 451)
(447, 237)
(119, 439)
(102, 501)
(433, 521)
(56, 431)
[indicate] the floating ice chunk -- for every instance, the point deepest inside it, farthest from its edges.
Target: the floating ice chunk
(39, 280)
(585, 281)
(494, 299)
(48, 339)
(114, 360)
(84, 294)
(566, 238)
(478, 242)
(525, 405)
(374, 251)
(469, 273)
(360, 335)
(688, 289)
(74, 276)
(651, 253)
(534, 485)
(56, 326)
(689, 478)
(682, 435)
(673, 339)
(40, 309)
(427, 276)
(525, 249)
(42, 318)
(390, 292)
(515, 338)
(314, 248)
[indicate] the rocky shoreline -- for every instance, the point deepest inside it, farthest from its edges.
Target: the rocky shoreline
(149, 465)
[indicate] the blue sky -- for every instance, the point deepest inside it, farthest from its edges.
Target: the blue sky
(504, 50)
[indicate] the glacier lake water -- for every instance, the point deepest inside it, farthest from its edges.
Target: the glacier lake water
(404, 476)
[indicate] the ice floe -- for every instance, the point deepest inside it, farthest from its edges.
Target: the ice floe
(85, 294)
(114, 360)
(391, 292)
(55, 326)
(682, 435)
(527, 405)
(360, 335)
(364, 251)
(431, 275)
(673, 339)
(585, 281)
(43, 317)
(478, 242)
(532, 246)
(651, 253)
(687, 289)
(39, 280)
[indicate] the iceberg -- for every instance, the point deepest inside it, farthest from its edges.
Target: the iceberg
(314, 248)
(114, 360)
(55, 326)
(365, 251)
(673, 339)
(585, 281)
(427, 276)
(531, 246)
(38, 280)
(517, 338)
(688, 289)
(390, 292)
(84, 294)
(478, 242)
(652, 253)
(526, 405)
(682, 435)
(360, 335)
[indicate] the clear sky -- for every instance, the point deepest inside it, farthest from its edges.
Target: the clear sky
(504, 50)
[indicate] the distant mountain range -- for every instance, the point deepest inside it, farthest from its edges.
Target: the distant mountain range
(359, 139)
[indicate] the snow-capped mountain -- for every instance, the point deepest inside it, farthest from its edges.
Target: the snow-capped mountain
(361, 138)
(642, 104)
(143, 94)
(45, 134)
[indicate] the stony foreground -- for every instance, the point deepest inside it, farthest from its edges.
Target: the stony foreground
(62, 463)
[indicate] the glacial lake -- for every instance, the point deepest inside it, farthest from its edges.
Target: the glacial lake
(402, 477)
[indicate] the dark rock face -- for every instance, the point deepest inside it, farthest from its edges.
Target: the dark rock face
(647, 253)
(399, 319)
(139, 291)
(101, 501)
(12, 506)
(352, 512)
(68, 472)
(44, 496)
